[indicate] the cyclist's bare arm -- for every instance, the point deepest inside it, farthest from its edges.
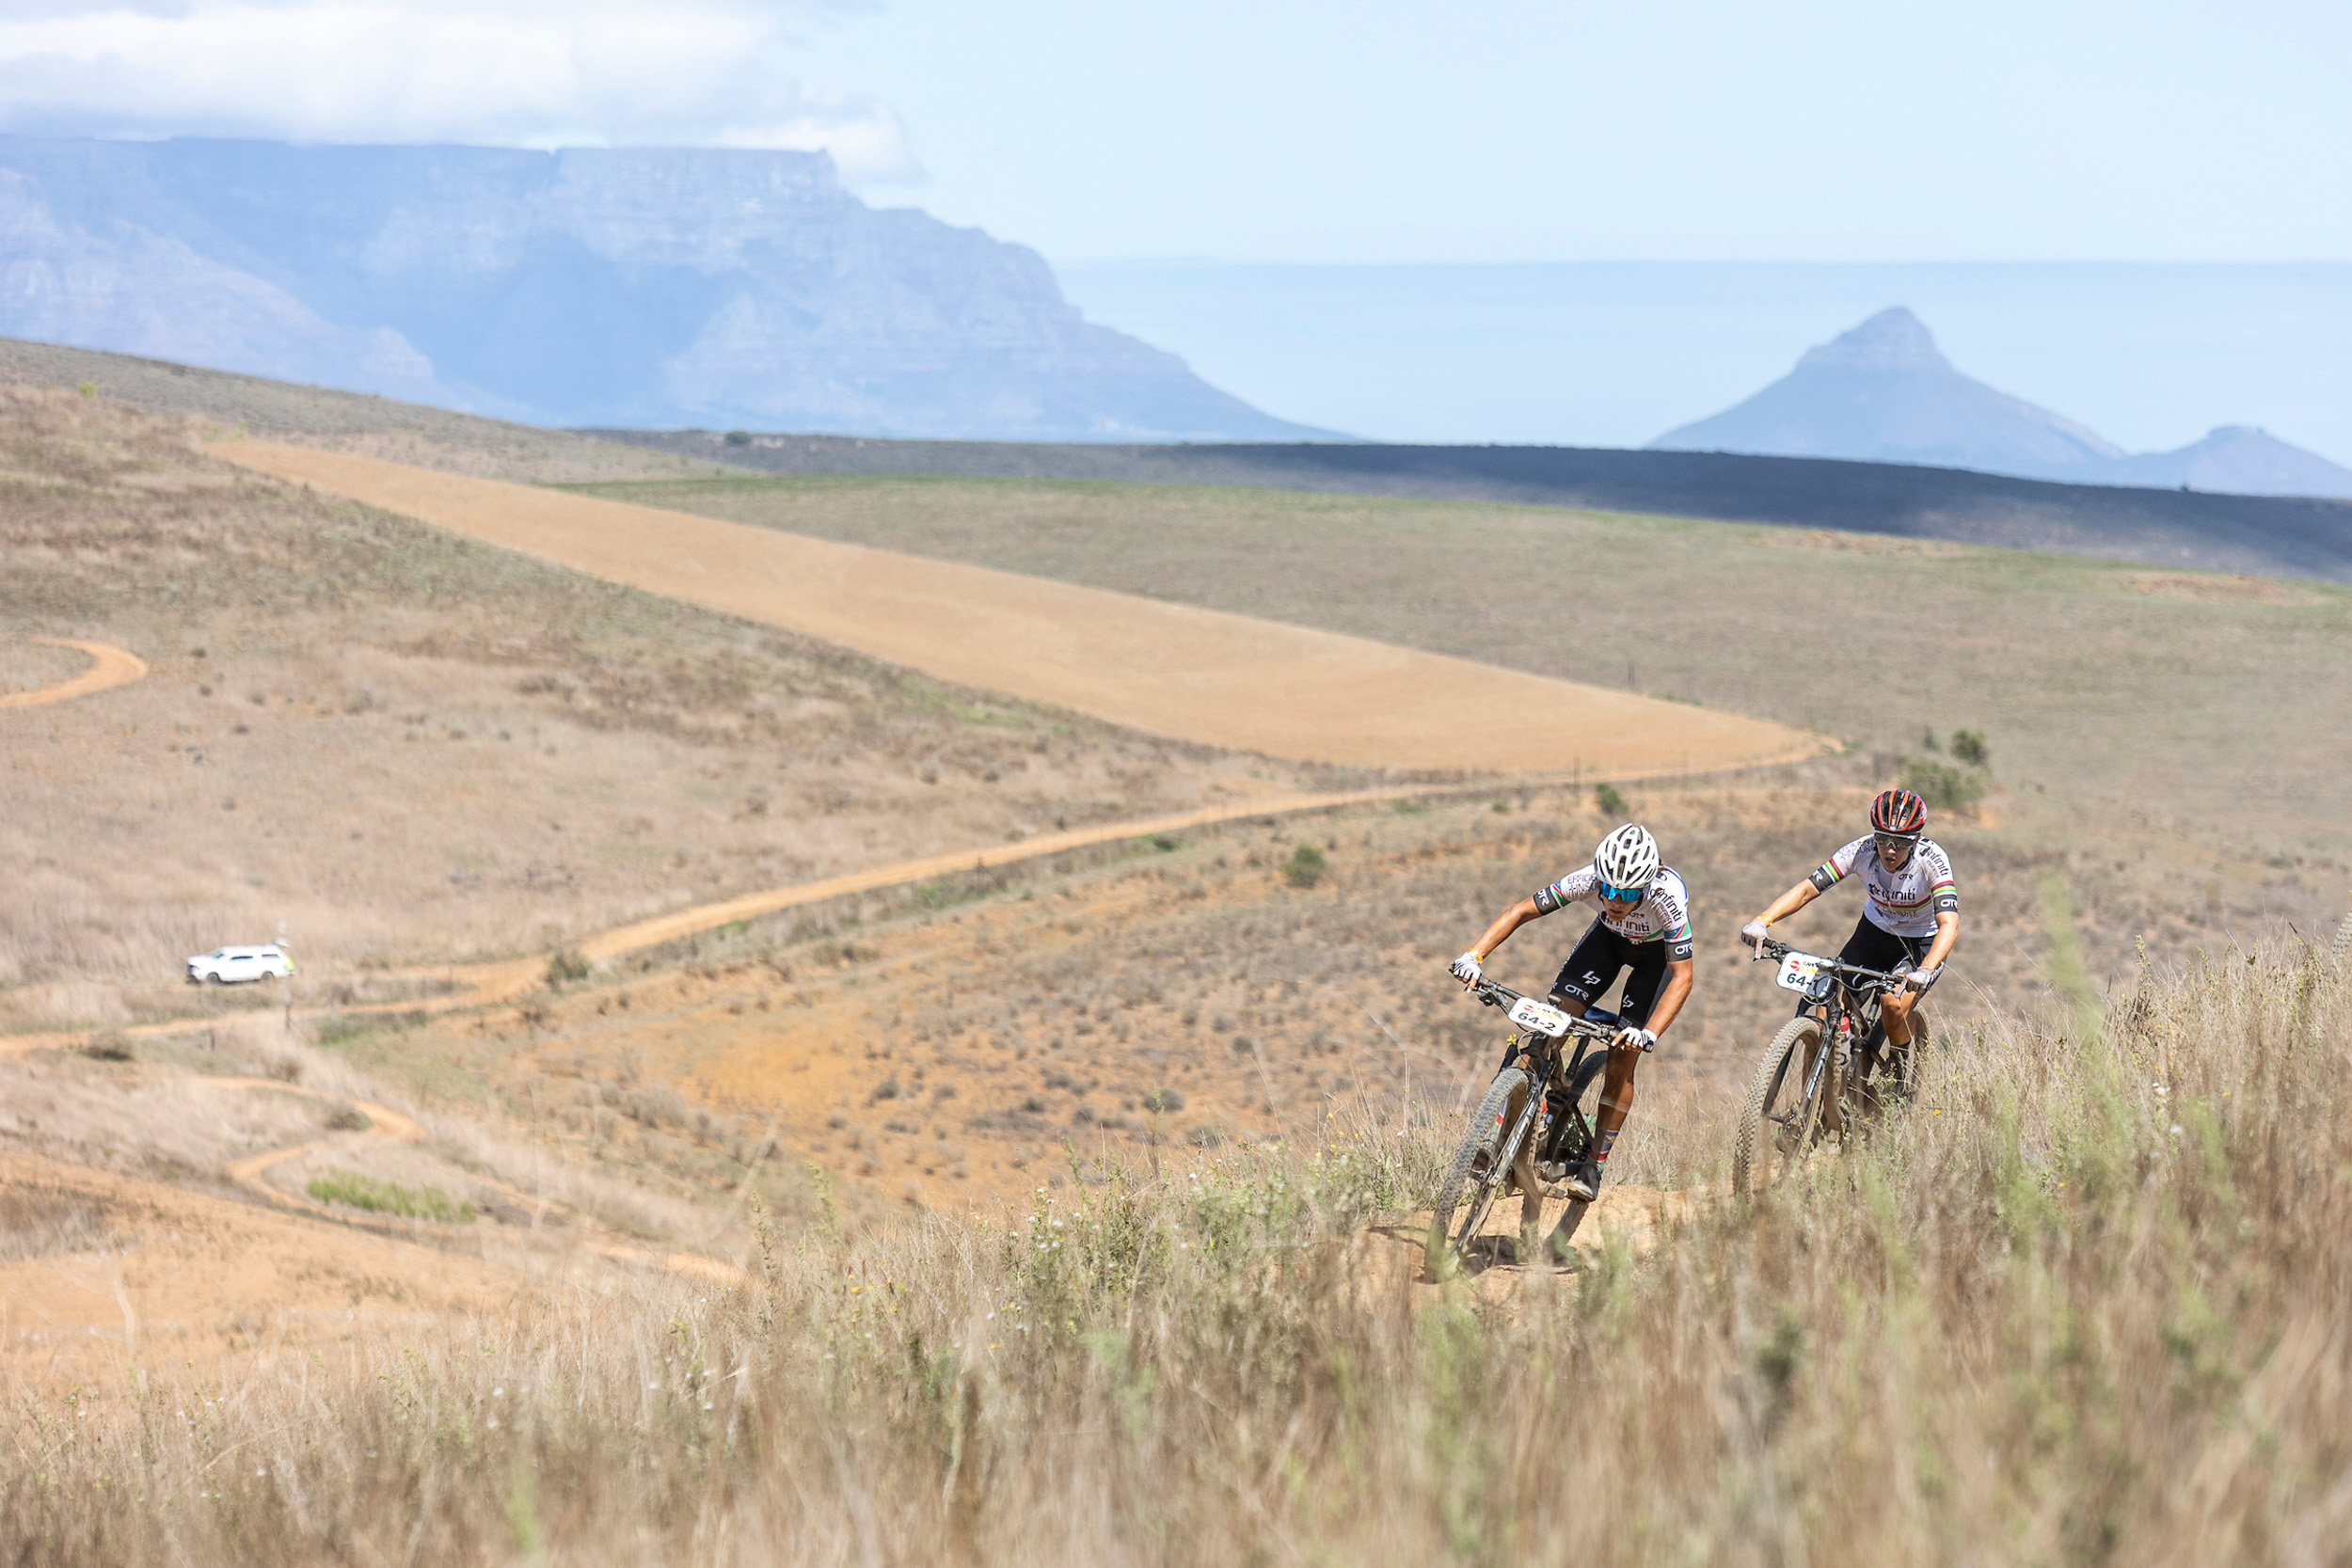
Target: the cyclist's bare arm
(1946, 937)
(1670, 996)
(1790, 902)
(1496, 934)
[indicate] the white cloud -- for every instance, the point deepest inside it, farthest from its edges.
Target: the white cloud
(499, 72)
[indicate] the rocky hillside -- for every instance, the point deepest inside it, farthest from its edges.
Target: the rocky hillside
(628, 287)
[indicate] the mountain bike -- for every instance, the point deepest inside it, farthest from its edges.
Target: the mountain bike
(1827, 1070)
(1520, 1139)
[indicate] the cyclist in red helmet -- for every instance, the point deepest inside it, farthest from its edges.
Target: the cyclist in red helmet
(1910, 911)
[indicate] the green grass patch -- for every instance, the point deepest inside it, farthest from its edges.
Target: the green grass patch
(389, 1197)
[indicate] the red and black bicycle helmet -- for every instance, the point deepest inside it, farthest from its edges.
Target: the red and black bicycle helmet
(1897, 810)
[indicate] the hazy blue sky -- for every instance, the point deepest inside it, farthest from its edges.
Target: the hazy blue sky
(1322, 131)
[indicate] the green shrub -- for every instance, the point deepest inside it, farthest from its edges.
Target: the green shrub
(1605, 795)
(389, 1197)
(566, 964)
(1305, 867)
(738, 437)
(1969, 747)
(1164, 1100)
(1942, 787)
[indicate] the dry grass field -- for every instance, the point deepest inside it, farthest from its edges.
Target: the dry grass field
(2085, 1302)
(2163, 699)
(398, 747)
(1070, 1211)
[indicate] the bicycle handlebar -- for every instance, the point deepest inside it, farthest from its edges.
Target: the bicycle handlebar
(1770, 949)
(1494, 995)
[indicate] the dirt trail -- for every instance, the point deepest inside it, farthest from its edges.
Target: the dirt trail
(1194, 675)
(1390, 1257)
(110, 667)
(251, 1175)
(484, 985)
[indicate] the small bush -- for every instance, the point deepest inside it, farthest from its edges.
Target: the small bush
(1605, 795)
(1969, 747)
(348, 1118)
(886, 1090)
(567, 964)
(1942, 787)
(389, 1197)
(1305, 867)
(108, 1045)
(738, 437)
(1164, 1100)
(1164, 842)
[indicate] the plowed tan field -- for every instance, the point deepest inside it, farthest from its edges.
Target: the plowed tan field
(1173, 669)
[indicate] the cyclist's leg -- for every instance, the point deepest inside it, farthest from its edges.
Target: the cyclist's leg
(1872, 946)
(1648, 962)
(1590, 971)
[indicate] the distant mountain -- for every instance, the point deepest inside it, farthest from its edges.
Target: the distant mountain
(2240, 460)
(606, 287)
(1885, 393)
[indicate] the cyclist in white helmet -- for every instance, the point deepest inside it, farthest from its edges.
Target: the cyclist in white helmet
(1645, 926)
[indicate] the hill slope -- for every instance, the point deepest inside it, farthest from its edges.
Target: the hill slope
(587, 285)
(2276, 535)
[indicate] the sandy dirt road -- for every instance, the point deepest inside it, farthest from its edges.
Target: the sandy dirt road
(1172, 670)
(484, 985)
(110, 667)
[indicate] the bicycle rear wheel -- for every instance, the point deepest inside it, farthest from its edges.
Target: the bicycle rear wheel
(1481, 1154)
(1781, 1121)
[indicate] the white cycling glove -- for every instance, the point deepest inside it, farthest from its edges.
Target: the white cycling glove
(1630, 1035)
(1920, 979)
(1753, 933)
(1466, 969)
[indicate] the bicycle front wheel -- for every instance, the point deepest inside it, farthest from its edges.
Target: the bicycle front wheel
(1467, 1187)
(1781, 1121)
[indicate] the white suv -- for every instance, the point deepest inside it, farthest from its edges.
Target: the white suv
(230, 965)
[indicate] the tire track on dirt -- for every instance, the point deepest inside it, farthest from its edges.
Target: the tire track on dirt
(109, 667)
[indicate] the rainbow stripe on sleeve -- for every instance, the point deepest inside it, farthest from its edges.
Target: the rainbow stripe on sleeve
(1830, 866)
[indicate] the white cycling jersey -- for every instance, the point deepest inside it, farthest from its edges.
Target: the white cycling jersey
(1902, 903)
(1663, 915)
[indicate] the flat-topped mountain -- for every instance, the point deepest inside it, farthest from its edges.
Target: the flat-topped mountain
(1885, 393)
(612, 287)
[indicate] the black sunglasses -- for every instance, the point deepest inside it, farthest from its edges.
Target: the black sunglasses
(1895, 840)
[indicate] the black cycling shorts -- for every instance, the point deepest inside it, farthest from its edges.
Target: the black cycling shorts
(1593, 968)
(1873, 947)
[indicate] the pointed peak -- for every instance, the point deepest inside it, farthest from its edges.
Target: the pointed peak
(1893, 339)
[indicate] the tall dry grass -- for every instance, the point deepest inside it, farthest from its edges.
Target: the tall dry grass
(2090, 1300)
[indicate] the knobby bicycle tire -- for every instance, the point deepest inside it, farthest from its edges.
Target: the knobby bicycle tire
(1488, 1123)
(1764, 1147)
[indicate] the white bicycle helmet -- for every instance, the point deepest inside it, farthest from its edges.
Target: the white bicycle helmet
(1626, 857)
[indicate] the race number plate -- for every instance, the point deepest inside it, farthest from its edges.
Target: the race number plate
(1797, 971)
(1528, 1013)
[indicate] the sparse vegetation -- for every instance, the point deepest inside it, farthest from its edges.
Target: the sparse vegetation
(1968, 747)
(1942, 787)
(2029, 1318)
(2066, 657)
(1305, 867)
(1609, 802)
(567, 964)
(389, 1197)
